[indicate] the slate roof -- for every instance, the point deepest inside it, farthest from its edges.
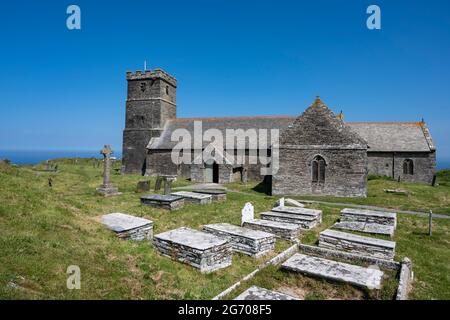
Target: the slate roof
(394, 136)
(380, 136)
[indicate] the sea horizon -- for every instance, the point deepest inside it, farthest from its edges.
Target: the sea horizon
(29, 157)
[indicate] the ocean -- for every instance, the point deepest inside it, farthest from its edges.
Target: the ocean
(34, 157)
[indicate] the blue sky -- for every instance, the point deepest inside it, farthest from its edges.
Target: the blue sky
(65, 90)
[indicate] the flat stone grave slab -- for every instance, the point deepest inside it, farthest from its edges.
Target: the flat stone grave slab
(129, 227)
(305, 222)
(364, 227)
(167, 202)
(317, 214)
(343, 241)
(201, 250)
(336, 271)
(217, 195)
(257, 293)
(369, 216)
(193, 197)
(248, 241)
(289, 231)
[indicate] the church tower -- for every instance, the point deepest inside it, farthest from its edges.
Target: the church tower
(151, 101)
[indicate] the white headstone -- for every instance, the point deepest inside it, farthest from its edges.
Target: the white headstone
(282, 202)
(248, 213)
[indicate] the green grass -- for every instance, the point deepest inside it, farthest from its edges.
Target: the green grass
(430, 257)
(44, 230)
(421, 197)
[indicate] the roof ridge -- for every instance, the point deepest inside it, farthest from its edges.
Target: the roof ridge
(387, 122)
(235, 117)
(418, 123)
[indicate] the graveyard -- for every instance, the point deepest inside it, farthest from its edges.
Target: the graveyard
(203, 245)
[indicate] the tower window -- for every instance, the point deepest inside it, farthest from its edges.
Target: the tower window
(318, 169)
(408, 167)
(167, 90)
(143, 86)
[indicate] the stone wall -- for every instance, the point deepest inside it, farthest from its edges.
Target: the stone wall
(345, 173)
(391, 165)
(319, 135)
(151, 101)
(160, 162)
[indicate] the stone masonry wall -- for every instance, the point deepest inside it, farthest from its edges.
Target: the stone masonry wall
(345, 173)
(151, 101)
(383, 163)
(160, 162)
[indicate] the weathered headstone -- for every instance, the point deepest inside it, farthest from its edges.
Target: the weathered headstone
(158, 183)
(282, 202)
(107, 189)
(248, 213)
(168, 185)
(143, 186)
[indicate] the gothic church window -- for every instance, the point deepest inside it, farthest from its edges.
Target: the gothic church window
(408, 167)
(318, 169)
(143, 86)
(167, 90)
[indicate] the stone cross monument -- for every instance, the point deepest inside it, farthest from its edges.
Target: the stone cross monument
(107, 189)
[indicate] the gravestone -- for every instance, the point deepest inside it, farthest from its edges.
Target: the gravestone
(353, 243)
(168, 202)
(433, 183)
(250, 242)
(193, 197)
(129, 227)
(248, 213)
(257, 293)
(217, 195)
(158, 183)
(168, 185)
(107, 189)
(336, 271)
(143, 186)
(201, 250)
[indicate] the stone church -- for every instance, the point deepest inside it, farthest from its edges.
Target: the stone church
(319, 153)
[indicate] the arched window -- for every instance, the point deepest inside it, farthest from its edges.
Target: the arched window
(167, 90)
(318, 169)
(408, 167)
